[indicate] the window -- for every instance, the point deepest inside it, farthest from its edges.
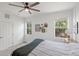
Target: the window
(29, 28)
(61, 26)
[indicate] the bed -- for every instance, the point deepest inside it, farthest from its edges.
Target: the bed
(40, 47)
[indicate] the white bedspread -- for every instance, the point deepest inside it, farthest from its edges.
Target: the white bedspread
(52, 48)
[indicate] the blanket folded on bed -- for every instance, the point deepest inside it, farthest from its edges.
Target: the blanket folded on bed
(25, 50)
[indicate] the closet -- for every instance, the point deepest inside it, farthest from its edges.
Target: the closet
(6, 35)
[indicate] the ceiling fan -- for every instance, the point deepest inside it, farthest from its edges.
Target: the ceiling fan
(27, 6)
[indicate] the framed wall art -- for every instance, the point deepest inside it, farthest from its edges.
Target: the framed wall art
(37, 27)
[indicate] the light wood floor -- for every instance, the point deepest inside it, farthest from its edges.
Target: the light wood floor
(9, 51)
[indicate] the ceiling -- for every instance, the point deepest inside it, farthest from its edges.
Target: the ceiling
(44, 7)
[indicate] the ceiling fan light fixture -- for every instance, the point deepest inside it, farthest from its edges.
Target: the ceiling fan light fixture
(26, 9)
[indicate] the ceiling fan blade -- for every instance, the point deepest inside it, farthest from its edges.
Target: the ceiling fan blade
(22, 10)
(16, 5)
(24, 3)
(34, 4)
(34, 9)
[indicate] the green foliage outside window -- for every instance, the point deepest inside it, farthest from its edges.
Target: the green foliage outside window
(61, 24)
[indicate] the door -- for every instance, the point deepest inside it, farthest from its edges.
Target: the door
(5, 35)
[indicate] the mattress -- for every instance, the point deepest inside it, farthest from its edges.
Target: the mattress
(41, 47)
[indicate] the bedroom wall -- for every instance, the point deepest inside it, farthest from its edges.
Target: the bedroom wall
(17, 27)
(50, 18)
(76, 17)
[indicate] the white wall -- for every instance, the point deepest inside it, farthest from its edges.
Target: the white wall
(18, 26)
(50, 18)
(76, 19)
